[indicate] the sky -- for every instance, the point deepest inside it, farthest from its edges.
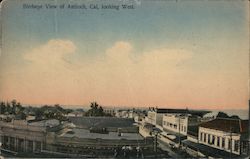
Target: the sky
(175, 54)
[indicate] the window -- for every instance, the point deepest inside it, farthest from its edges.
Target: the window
(236, 145)
(208, 138)
(205, 137)
(175, 126)
(218, 141)
(245, 147)
(229, 144)
(201, 135)
(184, 128)
(223, 142)
(213, 138)
(164, 122)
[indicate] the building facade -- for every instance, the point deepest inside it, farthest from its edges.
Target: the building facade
(21, 136)
(225, 134)
(110, 111)
(176, 123)
(67, 139)
(154, 117)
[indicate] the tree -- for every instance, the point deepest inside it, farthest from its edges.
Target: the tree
(19, 108)
(13, 103)
(222, 115)
(95, 110)
(2, 108)
(39, 113)
(235, 117)
(51, 112)
(8, 108)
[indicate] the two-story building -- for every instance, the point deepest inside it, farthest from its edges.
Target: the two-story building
(155, 115)
(176, 126)
(177, 123)
(221, 138)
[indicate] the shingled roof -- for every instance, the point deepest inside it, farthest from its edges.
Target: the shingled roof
(227, 125)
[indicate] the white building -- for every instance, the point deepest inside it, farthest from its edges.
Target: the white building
(122, 113)
(155, 117)
(223, 134)
(220, 138)
(75, 114)
(110, 111)
(176, 123)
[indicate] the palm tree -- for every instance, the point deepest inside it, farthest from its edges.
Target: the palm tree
(95, 110)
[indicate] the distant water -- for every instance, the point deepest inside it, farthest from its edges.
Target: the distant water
(242, 113)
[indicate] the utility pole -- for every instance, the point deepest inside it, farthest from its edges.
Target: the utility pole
(179, 131)
(198, 144)
(155, 145)
(230, 135)
(231, 144)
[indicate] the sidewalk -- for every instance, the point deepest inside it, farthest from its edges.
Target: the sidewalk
(171, 153)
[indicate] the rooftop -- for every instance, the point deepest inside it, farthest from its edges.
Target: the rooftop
(86, 134)
(45, 123)
(180, 111)
(227, 125)
(101, 122)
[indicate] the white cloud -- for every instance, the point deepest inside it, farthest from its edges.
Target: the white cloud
(172, 56)
(122, 76)
(121, 73)
(53, 51)
(119, 51)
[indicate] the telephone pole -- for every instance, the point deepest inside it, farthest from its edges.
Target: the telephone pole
(179, 131)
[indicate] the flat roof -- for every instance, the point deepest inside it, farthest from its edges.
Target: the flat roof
(180, 111)
(102, 122)
(45, 123)
(84, 133)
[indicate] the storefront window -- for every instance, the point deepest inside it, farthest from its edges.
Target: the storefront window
(223, 142)
(236, 145)
(218, 141)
